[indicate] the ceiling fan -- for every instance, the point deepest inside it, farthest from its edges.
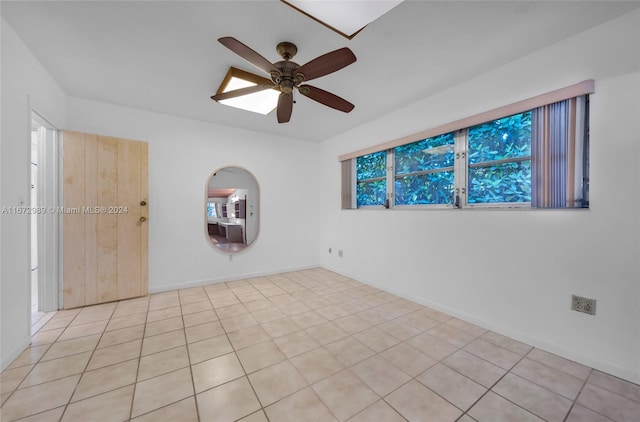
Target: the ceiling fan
(287, 76)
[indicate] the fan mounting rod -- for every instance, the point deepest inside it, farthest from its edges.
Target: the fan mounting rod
(287, 50)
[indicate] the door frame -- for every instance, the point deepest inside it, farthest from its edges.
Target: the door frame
(49, 221)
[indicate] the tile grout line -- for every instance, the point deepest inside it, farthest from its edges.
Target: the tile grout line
(262, 407)
(287, 359)
(309, 385)
(609, 390)
(555, 369)
(161, 351)
(12, 392)
(347, 368)
(186, 343)
(88, 360)
(235, 353)
(509, 371)
(490, 389)
(415, 378)
(526, 356)
(575, 401)
(135, 383)
(39, 360)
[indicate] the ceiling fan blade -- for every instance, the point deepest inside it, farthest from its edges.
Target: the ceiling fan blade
(326, 98)
(325, 64)
(249, 55)
(285, 107)
(242, 91)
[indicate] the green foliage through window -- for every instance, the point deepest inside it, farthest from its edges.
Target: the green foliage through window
(509, 137)
(430, 188)
(424, 171)
(500, 161)
(372, 193)
(427, 154)
(508, 182)
(371, 176)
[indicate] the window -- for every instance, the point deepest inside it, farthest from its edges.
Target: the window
(499, 164)
(371, 179)
(534, 158)
(211, 210)
(424, 171)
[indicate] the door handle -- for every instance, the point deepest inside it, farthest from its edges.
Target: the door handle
(143, 203)
(143, 219)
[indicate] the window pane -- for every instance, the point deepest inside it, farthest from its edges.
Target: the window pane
(371, 193)
(431, 188)
(505, 138)
(211, 209)
(371, 166)
(508, 182)
(427, 154)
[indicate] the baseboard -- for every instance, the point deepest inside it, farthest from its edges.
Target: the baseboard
(538, 343)
(15, 352)
(202, 282)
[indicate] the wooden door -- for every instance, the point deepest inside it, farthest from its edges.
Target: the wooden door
(105, 228)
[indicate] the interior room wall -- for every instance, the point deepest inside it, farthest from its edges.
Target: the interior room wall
(182, 155)
(25, 85)
(515, 271)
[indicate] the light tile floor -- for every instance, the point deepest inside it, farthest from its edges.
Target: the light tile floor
(302, 346)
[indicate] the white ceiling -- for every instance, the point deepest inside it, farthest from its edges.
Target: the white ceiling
(163, 56)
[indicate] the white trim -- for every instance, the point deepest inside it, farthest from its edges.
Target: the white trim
(223, 279)
(576, 90)
(60, 196)
(27, 329)
(48, 223)
(15, 352)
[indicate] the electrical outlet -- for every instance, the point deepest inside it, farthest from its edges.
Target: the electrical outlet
(583, 304)
(340, 253)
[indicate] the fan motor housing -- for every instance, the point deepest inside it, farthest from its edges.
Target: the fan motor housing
(286, 85)
(286, 79)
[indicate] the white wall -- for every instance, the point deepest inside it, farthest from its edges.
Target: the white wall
(514, 271)
(182, 155)
(25, 84)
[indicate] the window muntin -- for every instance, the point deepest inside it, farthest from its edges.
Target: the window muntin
(371, 179)
(424, 171)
